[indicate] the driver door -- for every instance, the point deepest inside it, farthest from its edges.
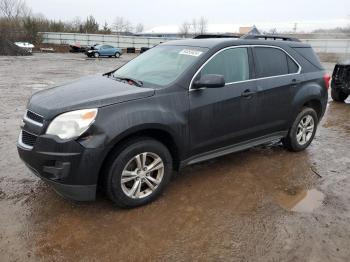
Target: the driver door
(109, 50)
(224, 116)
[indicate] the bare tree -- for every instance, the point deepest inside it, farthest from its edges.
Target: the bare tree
(118, 24)
(12, 15)
(127, 27)
(194, 27)
(76, 24)
(199, 26)
(139, 28)
(91, 25)
(202, 25)
(273, 31)
(106, 29)
(13, 9)
(31, 25)
(122, 25)
(184, 29)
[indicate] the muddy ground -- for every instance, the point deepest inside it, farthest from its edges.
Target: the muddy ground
(264, 204)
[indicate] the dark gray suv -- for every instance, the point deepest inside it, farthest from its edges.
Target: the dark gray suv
(179, 103)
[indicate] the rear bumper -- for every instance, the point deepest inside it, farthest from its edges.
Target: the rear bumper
(70, 168)
(341, 77)
(344, 87)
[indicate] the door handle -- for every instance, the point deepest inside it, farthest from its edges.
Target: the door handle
(295, 82)
(248, 93)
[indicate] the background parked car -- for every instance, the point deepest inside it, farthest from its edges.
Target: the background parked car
(77, 48)
(25, 45)
(104, 50)
(341, 82)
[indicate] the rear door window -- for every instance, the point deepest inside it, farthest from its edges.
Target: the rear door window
(270, 62)
(231, 63)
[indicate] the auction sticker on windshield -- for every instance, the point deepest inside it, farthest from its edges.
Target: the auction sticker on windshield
(190, 52)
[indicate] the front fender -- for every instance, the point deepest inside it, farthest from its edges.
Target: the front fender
(168, 113)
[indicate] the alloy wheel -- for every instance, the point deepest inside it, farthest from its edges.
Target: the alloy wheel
(142, 175)
(305, 129)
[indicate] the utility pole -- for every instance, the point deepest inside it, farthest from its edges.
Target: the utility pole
(295, 27)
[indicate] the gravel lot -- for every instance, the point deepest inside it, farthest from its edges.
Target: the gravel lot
(264, 204)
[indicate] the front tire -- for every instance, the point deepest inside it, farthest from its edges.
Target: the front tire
(96, 55)
(338, 95)
(138, 172)
(117, 55)
(303, 130)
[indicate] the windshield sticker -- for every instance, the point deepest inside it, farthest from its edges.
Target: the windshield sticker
(190, 52)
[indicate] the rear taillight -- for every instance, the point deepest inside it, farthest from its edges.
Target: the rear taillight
(327, 79)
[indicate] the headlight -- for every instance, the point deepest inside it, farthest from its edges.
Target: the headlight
(72, 124)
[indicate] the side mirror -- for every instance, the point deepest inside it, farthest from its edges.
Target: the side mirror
(209, 81)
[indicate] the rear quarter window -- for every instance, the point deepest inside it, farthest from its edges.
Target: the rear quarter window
(292, 66)
(309, 54)
(270, 62)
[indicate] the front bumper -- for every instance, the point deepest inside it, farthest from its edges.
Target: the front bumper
(73, 192)
(69, 167)
(89, 54)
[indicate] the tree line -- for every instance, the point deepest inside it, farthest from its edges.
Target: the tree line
(195, 27)
(19, 23)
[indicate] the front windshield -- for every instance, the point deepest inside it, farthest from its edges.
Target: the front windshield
(160, 65)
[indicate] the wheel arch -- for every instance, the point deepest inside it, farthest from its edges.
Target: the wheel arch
(310, 95)
(316, 105)
(157, 132)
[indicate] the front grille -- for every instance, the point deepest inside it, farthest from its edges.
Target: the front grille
(35, 117)
(28, 139)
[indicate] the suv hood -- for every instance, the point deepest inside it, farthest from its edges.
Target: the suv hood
(89, 92)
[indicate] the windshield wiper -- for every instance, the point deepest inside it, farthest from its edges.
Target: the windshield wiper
(128, 79)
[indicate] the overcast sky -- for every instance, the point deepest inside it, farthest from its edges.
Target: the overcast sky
(162, 12)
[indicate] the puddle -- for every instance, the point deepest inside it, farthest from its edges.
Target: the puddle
(37, 86)
(36, 89)
(304, 201)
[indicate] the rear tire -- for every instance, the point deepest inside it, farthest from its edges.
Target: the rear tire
(303, 130)
(338, 95)
(137, 173)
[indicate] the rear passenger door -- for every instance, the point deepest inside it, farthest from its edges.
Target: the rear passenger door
(277, 79)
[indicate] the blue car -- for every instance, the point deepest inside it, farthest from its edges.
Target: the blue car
(104, 50)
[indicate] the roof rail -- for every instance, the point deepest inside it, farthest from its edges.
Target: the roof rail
(228, 35)
(271, 37)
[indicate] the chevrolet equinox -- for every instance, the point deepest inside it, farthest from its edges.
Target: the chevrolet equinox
(179, 103)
